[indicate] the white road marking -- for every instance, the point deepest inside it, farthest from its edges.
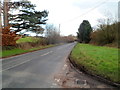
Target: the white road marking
(59, 48)
(11, 57)
(24, 62)
(40, 55)
(46, 53)
(14, 56)
(15, 65)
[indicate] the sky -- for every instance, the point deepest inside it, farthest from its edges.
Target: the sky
(70, 13)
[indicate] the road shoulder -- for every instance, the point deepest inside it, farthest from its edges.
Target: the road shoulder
(70, 77)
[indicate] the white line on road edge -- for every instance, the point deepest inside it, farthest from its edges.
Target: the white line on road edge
(40, 55)
(24, 62)
(13, 56)
(46, 53)
(15, 65)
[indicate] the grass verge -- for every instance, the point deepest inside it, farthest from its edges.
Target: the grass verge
(16, 51)
(98, 60)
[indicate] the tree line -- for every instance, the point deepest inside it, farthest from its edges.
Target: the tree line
(105, 34)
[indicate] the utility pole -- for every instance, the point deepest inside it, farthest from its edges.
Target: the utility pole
(0, 16)
(59, 28)
(119, 11)
(5, 12)
(0, 39)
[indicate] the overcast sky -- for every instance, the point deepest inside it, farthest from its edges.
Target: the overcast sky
(70, 13)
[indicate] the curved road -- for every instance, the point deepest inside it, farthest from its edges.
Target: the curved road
(34, 69)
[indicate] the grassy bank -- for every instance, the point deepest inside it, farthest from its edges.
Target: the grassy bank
(16, 51)
(102, 61)
(28, 39)
(26, 44)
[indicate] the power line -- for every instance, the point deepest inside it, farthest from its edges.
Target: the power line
(86, 12)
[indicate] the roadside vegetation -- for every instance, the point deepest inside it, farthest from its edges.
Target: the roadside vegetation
(28, 44)
(106, 34)
(97, 51)
(101, 61)
(25, 44)
(28, 20)
(17, 51)
(28, 39)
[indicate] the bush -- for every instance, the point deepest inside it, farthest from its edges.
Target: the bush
(43, 41)
(28, 45)
(106, 34)
(8, 38)
(25, 46)
(8, 47)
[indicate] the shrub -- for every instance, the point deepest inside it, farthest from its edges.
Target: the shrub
(106, 34)
(8, 38)
(28, 45)
(8, 47)
(43, 41)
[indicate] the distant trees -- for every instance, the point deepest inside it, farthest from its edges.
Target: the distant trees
(53, 35)
(84, 32)
(70, 38)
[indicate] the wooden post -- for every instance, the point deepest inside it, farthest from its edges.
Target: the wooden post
(5, 12)
(0, 26)
(59, 28)
(0, 16)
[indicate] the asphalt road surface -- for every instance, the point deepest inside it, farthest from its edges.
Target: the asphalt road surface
(34, 69)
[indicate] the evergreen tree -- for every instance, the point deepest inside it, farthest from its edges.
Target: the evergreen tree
(84, 31)
(29, 19)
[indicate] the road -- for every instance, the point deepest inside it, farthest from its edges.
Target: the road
(34, 69)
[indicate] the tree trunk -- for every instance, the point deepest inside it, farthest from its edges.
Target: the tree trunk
(0, 17)
(5, 12)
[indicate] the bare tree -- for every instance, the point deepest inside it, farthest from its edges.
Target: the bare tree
(52, 34)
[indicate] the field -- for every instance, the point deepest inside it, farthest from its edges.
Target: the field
(98, 60)
(28, 39)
